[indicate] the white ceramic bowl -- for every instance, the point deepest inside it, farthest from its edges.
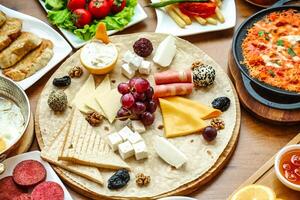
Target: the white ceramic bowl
(277, 170)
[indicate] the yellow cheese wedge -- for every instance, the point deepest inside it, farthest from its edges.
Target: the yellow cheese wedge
(182, 116)
(84, 94)
(110, 103)
(102, 89)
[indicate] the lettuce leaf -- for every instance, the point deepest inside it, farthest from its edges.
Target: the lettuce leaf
(63, 19)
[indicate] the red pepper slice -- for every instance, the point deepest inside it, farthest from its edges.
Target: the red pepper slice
(199, 9)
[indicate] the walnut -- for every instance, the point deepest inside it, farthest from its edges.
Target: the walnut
(75, 72)
(142, 180)
(217, 123)
(94, 118)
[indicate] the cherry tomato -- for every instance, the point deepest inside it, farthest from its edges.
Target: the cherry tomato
(199, 9)
(118, 6)
(99, 8)
(75, 4)
(82, 17)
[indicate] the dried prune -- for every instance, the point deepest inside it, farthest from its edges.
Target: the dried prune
(119, 179)
(221, 103)
(62, 82)
(143, 47)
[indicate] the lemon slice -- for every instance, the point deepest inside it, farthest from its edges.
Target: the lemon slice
(254, 192)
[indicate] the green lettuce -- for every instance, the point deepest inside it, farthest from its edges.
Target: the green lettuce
(64, 19)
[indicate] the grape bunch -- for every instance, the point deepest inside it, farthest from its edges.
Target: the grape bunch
(137, 101)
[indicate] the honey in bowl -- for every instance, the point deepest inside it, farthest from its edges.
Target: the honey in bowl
(290, 166)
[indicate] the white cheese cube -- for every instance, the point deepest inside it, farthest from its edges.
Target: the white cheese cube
(127, 71)
(165, 52)
(126, 150)
(125, 132)
(134, 137)
(145, 67)
(138, 126)
(136, 62)
(140, 150)
(114, 140)
(128, 56)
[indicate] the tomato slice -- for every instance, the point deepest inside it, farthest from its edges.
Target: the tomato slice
(199, 9)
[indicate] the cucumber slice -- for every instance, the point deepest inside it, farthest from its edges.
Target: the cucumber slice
(54, 4)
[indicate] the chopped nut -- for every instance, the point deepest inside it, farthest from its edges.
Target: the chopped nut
(142, 180)
(2, 168)
(160, 127)
(94, 118)
(113, 81)
(106, 128)
(75, 72)
(217, 123)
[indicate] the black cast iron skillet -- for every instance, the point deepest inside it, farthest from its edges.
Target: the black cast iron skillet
(240, 35)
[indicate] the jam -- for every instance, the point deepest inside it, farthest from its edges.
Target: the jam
(290, 166)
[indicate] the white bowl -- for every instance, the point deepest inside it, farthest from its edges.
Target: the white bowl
(277, 170)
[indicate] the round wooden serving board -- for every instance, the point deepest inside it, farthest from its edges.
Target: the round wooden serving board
(182, 189)
(259, 110)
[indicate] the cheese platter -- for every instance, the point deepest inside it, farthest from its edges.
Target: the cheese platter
(114, 126)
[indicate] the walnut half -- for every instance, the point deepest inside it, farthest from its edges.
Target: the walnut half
(94, 118)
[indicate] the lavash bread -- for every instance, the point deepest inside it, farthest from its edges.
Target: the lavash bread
(9, 31)
(201, 155)
(2, 18)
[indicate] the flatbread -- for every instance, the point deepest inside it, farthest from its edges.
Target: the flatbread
(201, 155)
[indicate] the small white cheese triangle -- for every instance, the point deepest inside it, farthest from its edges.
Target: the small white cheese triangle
(165, 52)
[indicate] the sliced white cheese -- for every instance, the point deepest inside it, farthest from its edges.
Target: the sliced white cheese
(134, 137)
(110, 104)
(114, 140)
(138, 126)
(125, 132)
(126, 150)
(102, 89)
(127, 71)
(84, 94)
(165, 52)
(145, 67)
(168, 152)
(140, 150)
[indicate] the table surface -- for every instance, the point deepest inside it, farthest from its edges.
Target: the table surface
(258, 140)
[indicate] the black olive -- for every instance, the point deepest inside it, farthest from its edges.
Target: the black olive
(119, 179)
(62, 82)
(221, 103)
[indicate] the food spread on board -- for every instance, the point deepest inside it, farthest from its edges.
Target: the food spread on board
(21, 53)
(271, 50)
(183, 12)
(81, 17)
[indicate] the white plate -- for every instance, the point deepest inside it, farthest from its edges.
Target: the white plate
(10, 164)
(177, 198)
(139, 15)
(61, 48)
(165, 24)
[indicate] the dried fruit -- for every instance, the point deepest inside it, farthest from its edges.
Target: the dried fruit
(119, 179)
(217, 123)
(221, 103)
(75, 72)
(143, 47)
(203, 75)
(58, 101)
(62, 82)
(142, 180)
(94, 118)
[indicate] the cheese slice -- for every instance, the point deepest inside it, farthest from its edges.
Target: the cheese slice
(102, 89)
(82, 145)
(84, 94)
(110, 103)
(182, 116)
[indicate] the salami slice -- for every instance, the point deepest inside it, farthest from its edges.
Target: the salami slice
(172, 76)
(29, 173)
(173, 89)
(8, 189)
(47, 191)
(23, 196)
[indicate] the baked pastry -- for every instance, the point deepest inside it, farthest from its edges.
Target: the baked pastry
(9, 31)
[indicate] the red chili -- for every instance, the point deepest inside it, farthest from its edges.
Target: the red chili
(199, 9)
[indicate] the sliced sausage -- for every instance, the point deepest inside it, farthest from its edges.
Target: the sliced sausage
(8, 189)
(47, 191)
(29, 173)
(23, 196)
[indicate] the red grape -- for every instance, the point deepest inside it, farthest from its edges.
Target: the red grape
(138, 108)
(151, 106)
(149, 93)
(147, 118)
(132, 82)
(141, 85)
(123, 88)
(139, 96)
(127, 100)
(209, 133)
(123, 114)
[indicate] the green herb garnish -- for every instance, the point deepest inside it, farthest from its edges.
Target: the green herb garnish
(169, 2)
(279, 43)
(261, 33)
(271, 72)
(291, 52)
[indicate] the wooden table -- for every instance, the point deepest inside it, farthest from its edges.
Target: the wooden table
(258, 140)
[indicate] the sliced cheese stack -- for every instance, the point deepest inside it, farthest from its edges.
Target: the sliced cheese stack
(133, 63)
(128, 143)
(83, 146)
